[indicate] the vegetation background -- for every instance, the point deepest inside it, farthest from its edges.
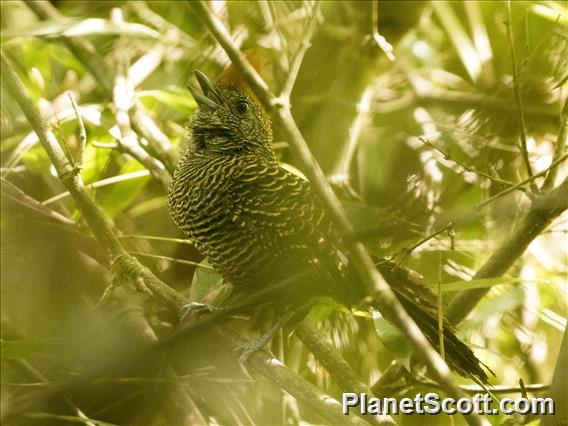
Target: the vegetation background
(439, 155)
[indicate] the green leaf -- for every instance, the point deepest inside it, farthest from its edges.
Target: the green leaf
(36, 160)
(125, 192)
(324, 307)
(82, 28)
(391, 338)
(176, 100)
(205, 279)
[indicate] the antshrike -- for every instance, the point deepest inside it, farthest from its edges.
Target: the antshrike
(262, 227)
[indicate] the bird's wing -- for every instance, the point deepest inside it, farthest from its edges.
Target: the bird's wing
(280, 211)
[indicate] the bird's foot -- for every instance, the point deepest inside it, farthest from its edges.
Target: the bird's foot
(193, 309)
(248, 349)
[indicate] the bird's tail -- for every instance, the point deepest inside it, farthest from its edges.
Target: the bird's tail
(420, 303)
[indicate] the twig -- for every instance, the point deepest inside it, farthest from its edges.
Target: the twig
(82, 131)
(518, 97)
(19, 196)
(123, 97)
(559, 148)
(374, 283)
(324, 405)
(382, 42)
(299, 56)
(340, 176)
(332, 360)
(466, 167)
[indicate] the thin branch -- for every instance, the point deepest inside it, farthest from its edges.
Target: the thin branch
(123, 98)
(466, 167)
(559, 148)
(382, 42)
(299, 56)
(518, 96)
(82, 131)
(324, 405)
(370, 277)
(19, 196)
(340, 176)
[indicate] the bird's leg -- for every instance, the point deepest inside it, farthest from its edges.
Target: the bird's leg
(249, 348)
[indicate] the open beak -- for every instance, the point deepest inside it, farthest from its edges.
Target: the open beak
(210, 97)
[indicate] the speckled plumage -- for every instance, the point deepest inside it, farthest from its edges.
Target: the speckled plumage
(259, 225)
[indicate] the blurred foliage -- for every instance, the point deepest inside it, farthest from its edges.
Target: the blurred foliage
(401, 141)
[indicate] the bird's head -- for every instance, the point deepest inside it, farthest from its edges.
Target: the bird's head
(230, 120)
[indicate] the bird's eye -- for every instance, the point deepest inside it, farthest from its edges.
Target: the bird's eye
(242, 107)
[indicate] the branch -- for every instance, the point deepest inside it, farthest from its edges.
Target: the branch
(370, 277)
(544, 209)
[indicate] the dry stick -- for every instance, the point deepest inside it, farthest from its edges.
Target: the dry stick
(375, 284)
(82, 131)
(299, 55)
(123, 95)
(335, 364)
(126, 268)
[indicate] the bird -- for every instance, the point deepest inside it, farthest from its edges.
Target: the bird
(264, 229)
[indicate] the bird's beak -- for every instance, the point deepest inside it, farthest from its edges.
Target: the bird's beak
(210, 97)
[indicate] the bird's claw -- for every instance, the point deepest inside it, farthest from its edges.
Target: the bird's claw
(195, 308)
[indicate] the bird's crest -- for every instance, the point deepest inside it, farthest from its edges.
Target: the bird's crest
(231, 77)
